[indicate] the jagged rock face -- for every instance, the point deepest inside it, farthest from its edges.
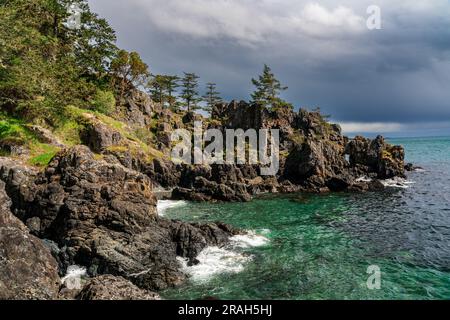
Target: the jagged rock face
(139, 109)
(103, 216)
(99, 137)
(376, 156)
(252, 116)
(317, 163)
(46, 136)
(27, 268)
(108, 287)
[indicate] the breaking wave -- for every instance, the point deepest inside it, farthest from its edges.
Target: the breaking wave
(74, 272)
(397, 183)
(163, 205)
(214, 260)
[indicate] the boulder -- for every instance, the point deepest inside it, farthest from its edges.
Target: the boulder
(99, 136)
(27, 268)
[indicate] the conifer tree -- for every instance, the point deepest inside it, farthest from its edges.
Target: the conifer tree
(171, 84)
(190, 91)
(268, 89)
(156, 88)
(212, 97)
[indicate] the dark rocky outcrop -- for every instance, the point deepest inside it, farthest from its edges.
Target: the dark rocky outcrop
(99, 137)
(103, 216)
(108, 287)
(27, 268)
(376, 156)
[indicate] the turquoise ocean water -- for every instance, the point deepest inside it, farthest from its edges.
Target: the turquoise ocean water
(320, 246)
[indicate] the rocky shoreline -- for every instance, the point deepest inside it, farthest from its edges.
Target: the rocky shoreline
(94, 205)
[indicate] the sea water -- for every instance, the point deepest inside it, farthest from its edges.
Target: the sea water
(305, 246)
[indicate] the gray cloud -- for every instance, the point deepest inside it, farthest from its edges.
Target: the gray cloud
(322, 50)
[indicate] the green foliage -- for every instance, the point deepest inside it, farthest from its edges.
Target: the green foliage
(128, 71)
(104, 102)
(268, 89)
(171, 84)
(212, 97)
(190, 91)
(14, 128)
(44, 65)
(162, 89)
(157, 89)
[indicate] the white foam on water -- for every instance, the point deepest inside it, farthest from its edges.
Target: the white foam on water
(74, 272)
(397, 183)
(215, 260)
(250, 239)
(363, 179)
(163, 205)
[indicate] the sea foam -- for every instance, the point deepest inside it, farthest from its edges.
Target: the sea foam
(163, 205)
(214, 260)
(397, 183)
(73, 274)
(250, 239)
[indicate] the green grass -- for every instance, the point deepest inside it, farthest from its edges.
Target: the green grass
(15, 130)
(42, 154)
(11, 128)
(69, 132)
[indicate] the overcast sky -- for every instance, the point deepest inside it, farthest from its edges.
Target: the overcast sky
(394, 81)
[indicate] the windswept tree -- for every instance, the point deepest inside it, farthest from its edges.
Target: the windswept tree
(268, 89)
(189, 91)
(128, 71)
(171, 84)
(156, 88)
(162, 89)
(212, 97)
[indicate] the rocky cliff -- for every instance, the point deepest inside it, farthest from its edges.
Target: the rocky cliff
(94, 213)
(94, 205)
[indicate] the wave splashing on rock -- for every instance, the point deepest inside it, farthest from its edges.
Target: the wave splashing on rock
(214, 260)
(163, 205)
(397, 183)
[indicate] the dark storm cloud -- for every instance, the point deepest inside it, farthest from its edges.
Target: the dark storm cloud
(393, 79)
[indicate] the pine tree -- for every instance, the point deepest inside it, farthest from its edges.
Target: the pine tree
(156, 88)
(171, 85)
(212, 97)
(190, 91)
(268, 89)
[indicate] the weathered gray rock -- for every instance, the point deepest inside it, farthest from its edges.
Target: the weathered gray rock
(108, 287)
(103, 216)
(376, 156)
(27, 268)
(99, 136)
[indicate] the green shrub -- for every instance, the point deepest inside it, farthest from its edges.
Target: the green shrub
(104, 102)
